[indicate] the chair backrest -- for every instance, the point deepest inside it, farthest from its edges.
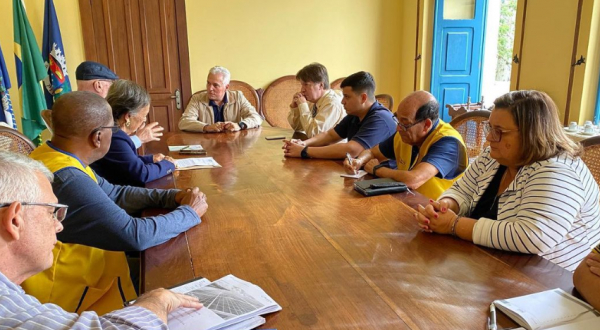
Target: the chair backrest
(277, 98)
(249, 92)
(13, 141)
(591, 156)
(337, 84)
(386, 100)
(470, 127)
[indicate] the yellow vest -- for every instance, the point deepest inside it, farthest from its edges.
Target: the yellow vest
(81, 278)
(435, 186)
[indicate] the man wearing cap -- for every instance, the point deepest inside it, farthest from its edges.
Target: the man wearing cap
(218, 109)
(97, 78)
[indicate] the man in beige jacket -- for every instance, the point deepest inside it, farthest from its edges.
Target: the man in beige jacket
(218, 109)
(316, 108)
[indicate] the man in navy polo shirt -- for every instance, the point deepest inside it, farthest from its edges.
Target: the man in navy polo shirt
(367, 124)
(430, 154)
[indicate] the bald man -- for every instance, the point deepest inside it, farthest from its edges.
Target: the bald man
(430, 154)
(101, 215)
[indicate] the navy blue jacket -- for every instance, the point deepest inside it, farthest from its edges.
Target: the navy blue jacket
(122, 165)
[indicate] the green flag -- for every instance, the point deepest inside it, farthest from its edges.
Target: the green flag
(30, 71)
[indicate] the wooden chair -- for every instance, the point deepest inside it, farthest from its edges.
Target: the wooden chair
(470, 127)
(336, 84)
(591, 156)
(13, 141)
(386, 100)
(252, 95)
(277, 98)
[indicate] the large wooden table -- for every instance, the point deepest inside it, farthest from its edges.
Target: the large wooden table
(330, 257)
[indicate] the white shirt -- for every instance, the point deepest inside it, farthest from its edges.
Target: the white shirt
(551, 208)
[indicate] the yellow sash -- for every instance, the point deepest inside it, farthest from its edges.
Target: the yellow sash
(435, 186)
(81, 278)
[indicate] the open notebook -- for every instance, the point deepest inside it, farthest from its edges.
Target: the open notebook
(552, 309)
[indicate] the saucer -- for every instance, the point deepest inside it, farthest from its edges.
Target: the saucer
(586, 133)
(571, 130)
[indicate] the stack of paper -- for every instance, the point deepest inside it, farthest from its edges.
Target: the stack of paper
(229, 303)
(186, 147)
(552, 309)
(196, 163)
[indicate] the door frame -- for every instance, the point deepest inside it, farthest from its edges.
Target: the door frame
(438, 9)
(85, 6)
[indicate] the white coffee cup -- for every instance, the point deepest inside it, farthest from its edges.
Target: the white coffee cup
(573, 126)
(588, 122)
(588, 128)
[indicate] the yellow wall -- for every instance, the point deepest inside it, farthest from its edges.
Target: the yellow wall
(67, 12)
(259, 41)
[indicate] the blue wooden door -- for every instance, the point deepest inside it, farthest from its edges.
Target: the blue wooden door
(457, 62)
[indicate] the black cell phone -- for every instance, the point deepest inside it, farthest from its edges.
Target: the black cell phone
(386, 185)
(275, 137)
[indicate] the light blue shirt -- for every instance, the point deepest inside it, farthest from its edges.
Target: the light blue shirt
(136, 141)
(19, 310)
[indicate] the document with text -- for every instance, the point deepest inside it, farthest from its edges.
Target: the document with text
(196, 163)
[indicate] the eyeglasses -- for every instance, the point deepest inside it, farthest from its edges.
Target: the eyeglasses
(494, 134)
(59, 213)
(114, 129)
(406, 127)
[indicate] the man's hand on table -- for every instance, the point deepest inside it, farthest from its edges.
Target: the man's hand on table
(231, 126)
(194, 198)
(214, 128)
(161, 302)
(292, 148)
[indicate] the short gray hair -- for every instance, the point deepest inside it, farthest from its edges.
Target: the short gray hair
(18, 180)
(126, 97)
(223, 72)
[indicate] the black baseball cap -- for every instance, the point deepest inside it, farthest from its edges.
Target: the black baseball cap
(90, 70)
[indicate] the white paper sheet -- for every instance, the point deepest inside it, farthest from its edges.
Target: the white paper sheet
(358, 175)
(202, 162)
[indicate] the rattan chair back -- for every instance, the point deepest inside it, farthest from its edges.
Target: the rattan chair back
(470, 126)
(13, 141)
(591, 156)
(277, 98)
(386, 100)
(249, 93)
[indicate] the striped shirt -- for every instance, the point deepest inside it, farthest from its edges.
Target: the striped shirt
(551, 208)
(22, 311)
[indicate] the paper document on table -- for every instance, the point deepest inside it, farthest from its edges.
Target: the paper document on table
(196, 163)
(358, 175)
(546, 309)
(188, 147)
(229, 303)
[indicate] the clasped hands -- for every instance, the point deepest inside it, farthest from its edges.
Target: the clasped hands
(194, 198)
(158, 157)
(437, 216)
(297, 99)
(227, 126)
(293, 147)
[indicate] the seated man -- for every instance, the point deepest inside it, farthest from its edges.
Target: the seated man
(366, 125)
(587, 278)
(430, 154)
(29, 221)
(102, 215)
(325, 110)
(97, 78)
(218, 109)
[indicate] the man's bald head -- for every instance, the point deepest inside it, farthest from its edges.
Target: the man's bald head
(423, 104)
(76, 114)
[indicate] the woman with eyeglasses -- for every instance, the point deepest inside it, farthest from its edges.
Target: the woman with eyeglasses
(527, 192)
(122, 165)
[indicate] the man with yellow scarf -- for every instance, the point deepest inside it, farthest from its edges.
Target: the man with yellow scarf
(90, 271)
(429, 153)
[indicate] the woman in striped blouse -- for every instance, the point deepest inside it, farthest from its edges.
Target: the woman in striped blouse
(528, 192)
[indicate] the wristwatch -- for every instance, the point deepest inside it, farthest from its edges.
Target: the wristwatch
(304, 153)
(376, 167)
(242, 125)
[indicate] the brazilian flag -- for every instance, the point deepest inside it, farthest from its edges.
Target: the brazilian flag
(30, 72)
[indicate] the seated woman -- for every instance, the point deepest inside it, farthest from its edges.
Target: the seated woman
(130, 104)
(528, 192)
(587, 278)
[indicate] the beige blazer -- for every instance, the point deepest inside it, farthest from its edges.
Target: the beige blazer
(330, 112)
(199, 113)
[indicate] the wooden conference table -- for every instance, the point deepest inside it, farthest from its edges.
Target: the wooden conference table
(330, 257)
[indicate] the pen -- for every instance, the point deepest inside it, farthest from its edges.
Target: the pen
(492, 318)
(350, 161)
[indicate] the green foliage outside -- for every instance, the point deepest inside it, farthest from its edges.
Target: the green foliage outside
(506, 37)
